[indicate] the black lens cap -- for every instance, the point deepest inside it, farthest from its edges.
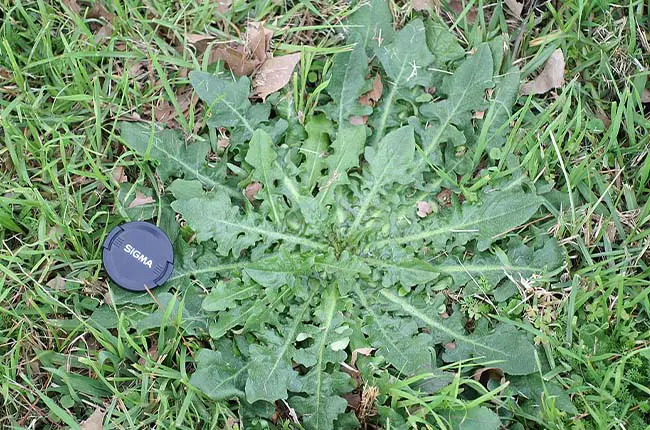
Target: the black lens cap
(138, 256)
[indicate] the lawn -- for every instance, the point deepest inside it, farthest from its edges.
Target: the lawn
(385, 215)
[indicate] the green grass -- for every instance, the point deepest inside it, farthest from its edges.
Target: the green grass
(62, 93)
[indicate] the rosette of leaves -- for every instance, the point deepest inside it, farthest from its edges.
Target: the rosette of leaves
(330, 255)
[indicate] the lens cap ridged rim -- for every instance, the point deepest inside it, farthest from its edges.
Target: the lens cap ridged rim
(138, 256)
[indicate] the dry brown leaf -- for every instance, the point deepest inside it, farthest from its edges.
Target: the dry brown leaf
(604, 118)
(372, 97)
(99, 11)
(137, 69)
(424, 209)
(54, 235)
(258, 41)
(56, 283)
(104, 32)
(358, 120)
(140, 200)
(247, 58)
(274, 74)
(201, 42)
(444, 197)
(165, 112)
(421, 5)
(515, 7)
(353, 399)
(645, 96)
(5, 73)
(552, 76)
(487, 374)
(457, 7)
(223, 143)
(95, 421)
(223, 6)
(152, 353)
(478, 114)
(363, 351)
(197, 38)
(118, 175)
(251, 190)
(101, 31)
(72, 5)
(80, 180)
(186, 98)
(238, 61)
(610, 232)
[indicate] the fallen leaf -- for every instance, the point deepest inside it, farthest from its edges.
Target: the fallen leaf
(101, 31)
(645, 96)
(424, 209)
(238, 61)
(444, 197)
(457, 7)
(363, 351)
(197, 38)
(118, 175)
(487, 374)
(201, 43)
(251, 190)
(515, 7)
(274, 74)
(95, 421)
(107, 297)
(223, 6)
(140, 200)
(358, 120)
(104, 32)
(137, 69)
(223, 143)
(80, 180)
(247, 58)
(56, 283)
(372, 97)
(54, 235)
(258, 40)
(604, 118)
(72, 5)
(610, 232)
(99, 11)
(5, 73)
(552, 76)
(353, 399)
(421, 5)
(152, 353)
(165, 112)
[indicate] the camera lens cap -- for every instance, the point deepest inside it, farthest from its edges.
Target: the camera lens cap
(138, 256)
